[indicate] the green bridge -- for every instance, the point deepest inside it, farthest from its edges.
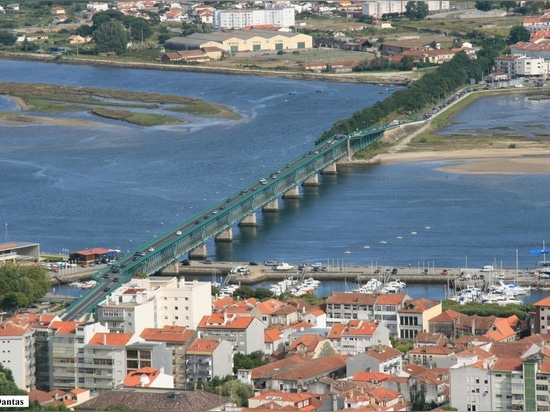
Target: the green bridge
(220, 217)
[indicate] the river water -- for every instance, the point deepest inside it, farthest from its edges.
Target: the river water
(118, 185)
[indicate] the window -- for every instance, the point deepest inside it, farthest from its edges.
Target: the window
(175, 307)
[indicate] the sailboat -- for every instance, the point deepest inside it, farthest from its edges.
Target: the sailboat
(543, 267)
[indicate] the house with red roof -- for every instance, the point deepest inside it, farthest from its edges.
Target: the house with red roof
(432, 356)
(282, 400)
(356, 336)
(535, 24)
(245, 333)
(207, 358)
(379, 358)
(273, 341)
(97, 254)
(386, 310)
(430, 384)
(414, 316)
(311, 346)
(295, 373)
(447, 323)
(55, 398)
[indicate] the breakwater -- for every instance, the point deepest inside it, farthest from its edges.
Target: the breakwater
(352, 273)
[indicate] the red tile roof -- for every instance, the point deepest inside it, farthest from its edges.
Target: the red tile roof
(110, 339)
(167, 334)
(383, 352)
(65, 327)
(219, 321)
(203, 347)
(351, 298)
(392, 299)
(508, 364)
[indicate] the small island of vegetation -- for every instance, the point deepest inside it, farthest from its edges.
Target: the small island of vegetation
(142, 109)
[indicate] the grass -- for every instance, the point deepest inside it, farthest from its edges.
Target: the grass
(58, 99)
(140, 119)
(494, 137)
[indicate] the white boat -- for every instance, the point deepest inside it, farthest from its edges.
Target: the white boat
(515, 289)
(499, 297)
(284, 266)
(395, 286)
(373, 285)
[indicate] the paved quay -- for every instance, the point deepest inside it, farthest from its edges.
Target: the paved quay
(353, 273)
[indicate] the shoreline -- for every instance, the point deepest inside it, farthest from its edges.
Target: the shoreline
(363, 77)
(525, 158)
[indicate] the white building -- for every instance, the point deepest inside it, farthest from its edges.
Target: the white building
(377, 8)
(357, 336)
(17, 343)
(155, 302)
(239, 19)
(97, 6)
(522, 66)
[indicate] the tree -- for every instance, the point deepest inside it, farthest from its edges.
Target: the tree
(507, 5)
(416, 10)
(104, 16)
(484, 5)
(111, 36)
(518, 33)
(139, 28)
(7, 383)
(255, 359)
(6, 38)
(244, 292)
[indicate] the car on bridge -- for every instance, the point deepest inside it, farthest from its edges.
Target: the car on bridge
(178, 232)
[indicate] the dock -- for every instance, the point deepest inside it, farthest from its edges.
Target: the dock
(351, 273)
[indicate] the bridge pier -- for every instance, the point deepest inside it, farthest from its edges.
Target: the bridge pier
(292, 193)
(312, 180)
(330, 170)
(249, 220)
(225, 236)
(198, 253)
(272, 206)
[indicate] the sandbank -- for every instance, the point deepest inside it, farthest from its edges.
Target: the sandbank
(535, 160)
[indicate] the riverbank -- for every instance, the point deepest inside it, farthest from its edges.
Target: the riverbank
(355, 77)
(498, 155)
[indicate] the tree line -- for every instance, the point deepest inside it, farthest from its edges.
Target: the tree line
(421, 94)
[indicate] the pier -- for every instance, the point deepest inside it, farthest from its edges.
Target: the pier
(351, 273)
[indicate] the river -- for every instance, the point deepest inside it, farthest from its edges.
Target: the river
(118, 185)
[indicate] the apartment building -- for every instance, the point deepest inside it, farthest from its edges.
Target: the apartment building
(207, 358)
(66, 351)
(342, 306)
(17, 352)
(356, 336)
(178, 339)
(239, 19)
(377, 8)
(155, 302)
(102, 365)
(245, 333)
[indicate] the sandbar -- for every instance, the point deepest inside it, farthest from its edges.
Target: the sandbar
(484, 161)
